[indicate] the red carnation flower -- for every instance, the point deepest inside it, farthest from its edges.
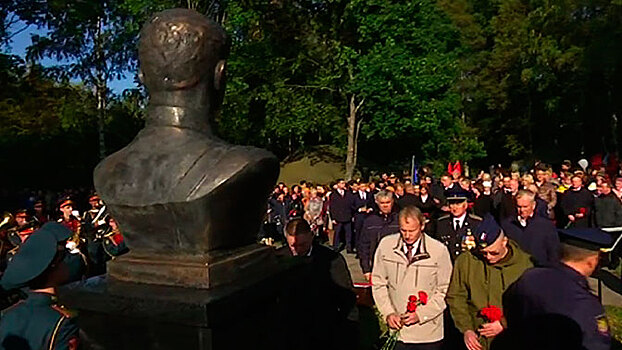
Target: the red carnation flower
(412, 298)
(491, 313)
(582, 210)
(423, 297)
(411, 307)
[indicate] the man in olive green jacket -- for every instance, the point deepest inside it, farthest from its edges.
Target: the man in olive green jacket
(479, 279)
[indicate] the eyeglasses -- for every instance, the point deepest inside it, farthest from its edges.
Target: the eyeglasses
(492, 253)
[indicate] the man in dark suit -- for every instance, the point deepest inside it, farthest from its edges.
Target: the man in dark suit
(341, 207)
(325, 296)
(455, 229)
(363, 206)
(577, 203)
(534, 234)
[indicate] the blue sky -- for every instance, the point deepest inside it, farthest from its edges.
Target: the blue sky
(22, 40)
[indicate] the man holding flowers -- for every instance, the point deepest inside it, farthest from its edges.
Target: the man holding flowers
(479, 279)
(410, 277)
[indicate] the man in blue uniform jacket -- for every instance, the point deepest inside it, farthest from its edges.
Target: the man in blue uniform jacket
(42, 264)
(553, 307)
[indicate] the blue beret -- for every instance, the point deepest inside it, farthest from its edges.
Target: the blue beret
(34, 256)
(487, 231)
(587, 238)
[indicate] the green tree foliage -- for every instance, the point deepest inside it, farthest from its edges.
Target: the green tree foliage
(537, 76)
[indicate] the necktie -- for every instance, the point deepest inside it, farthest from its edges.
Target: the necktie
(457, 224)
(409, 251)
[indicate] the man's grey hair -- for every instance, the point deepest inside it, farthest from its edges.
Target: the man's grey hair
(527, 194)
(412, 212)
(383, 194)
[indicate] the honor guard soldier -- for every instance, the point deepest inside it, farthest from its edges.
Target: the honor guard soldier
(42, 264)
(553, 307)
(456, 229)
(68, 218)
(93, 215)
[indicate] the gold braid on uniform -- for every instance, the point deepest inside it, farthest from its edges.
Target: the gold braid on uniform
(53, 338)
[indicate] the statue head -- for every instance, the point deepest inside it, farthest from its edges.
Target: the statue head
(181, 50)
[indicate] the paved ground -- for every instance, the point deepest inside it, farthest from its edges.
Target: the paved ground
(609, 297)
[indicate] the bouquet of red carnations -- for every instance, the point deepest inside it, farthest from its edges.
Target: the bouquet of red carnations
(413, 301)
(491, 314)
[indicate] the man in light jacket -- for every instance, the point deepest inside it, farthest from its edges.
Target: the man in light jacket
(406, 264)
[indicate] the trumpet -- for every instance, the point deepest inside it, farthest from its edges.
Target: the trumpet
(7, 219)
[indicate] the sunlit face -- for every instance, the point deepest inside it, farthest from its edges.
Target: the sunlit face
(21, 219)
(355, 187)
(496, 251)
(457, 209)
(341, 185)
(446, 181)
(300, 244)
(541, 175)
(94, 203)
(525, 207)
(66, 210)
(410, 229)
(385, 205)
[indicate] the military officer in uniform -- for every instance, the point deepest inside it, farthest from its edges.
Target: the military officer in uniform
(553, 307)
(42, 264)
(455, 230)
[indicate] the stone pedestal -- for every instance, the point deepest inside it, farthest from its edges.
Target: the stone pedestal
(125, 315)
(196, 271)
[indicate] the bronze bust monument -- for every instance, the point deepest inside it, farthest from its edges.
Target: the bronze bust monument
(187, 201)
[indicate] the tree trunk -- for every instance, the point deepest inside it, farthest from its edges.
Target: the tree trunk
(353, 133)
(100, 88)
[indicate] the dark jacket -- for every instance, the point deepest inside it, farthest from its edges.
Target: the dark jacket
(444, 231)
(574, 202)
(539, 238)
(341, 207)
(408, 199)
(506, 205)
(483, 205)
(324, 298)
(38, 323)
(429, 208)
(554, 305)
(359, 202)
(375, 227)
(607, 211)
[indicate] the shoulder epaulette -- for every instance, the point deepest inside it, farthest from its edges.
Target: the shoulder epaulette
(473, 216)
(63, 311)
(443, 217)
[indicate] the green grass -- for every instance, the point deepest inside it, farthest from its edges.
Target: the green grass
(614, 316)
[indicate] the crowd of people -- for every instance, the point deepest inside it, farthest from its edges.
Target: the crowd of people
(470, 246)
(497, 261)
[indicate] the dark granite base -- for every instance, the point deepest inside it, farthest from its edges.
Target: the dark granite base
(122, 315)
